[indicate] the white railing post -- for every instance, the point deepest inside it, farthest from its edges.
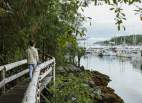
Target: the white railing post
(54, 74)
(54, 80)
(3, 78)
(38, 93)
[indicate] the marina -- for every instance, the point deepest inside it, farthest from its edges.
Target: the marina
(119, 51)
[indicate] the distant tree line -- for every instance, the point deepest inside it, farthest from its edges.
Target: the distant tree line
(129, 40)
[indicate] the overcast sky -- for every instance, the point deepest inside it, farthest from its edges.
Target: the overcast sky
(103, 24)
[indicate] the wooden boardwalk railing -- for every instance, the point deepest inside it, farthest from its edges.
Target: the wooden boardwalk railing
(4, 69)
(42, 75)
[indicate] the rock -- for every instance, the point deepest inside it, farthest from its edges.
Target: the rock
(105, 77)
(66, 98)
(60, 69)
(82, 68)
(106, 89)
(84, 85)
(70, 97)
(92, 95)
(73, 99)
(97, 93)
(72, 68)
(66, 80)
(102, 92)
(109, 96)
(91, 83)
(100, 79)
(91, 89)
(61, 86)
(67, 69)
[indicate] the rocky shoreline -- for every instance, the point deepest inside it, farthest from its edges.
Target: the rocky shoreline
(77, 85)
(107, 94)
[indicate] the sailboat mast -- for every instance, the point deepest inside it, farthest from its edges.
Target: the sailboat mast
(134, 39)
(124, 42)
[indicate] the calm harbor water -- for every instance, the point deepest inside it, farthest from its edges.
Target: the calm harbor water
(125, 75)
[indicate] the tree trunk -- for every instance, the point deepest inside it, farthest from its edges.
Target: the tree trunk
(79, 61)
(43, 50)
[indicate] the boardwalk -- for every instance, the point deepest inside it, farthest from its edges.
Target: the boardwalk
(15, 94)
(26, 91)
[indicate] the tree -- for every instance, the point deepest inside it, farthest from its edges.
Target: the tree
(80, 53)
(45, 21)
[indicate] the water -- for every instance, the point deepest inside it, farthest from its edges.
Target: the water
(126, 76)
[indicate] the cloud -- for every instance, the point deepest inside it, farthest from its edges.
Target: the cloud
(103, 24)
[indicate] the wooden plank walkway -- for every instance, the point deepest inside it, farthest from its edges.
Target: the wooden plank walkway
(27, 91)
(16, 94)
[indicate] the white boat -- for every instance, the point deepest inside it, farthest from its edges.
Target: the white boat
(89, 50)
(123, 53)
(109, 52)
(137, 57)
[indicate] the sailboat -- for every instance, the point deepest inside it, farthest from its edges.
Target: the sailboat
(137, 52)
(122, 50)
(127, 51)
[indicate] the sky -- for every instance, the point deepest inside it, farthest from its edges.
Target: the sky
(103, 24)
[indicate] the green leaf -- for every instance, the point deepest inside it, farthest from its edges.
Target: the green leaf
(124, 28)
(118, 27)
(111, 8)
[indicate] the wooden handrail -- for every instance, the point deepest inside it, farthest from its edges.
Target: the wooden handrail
(13, 77)
(13, 65)
(45, 74)
(31, 95)
(8, 67)
(40, 78)
(1, 68)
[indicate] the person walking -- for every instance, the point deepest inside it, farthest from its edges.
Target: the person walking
(32, 57)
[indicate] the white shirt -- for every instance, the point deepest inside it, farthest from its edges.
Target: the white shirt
(32, 55)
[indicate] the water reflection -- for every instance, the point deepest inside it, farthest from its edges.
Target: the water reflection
(137, 65)
(126, 75)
